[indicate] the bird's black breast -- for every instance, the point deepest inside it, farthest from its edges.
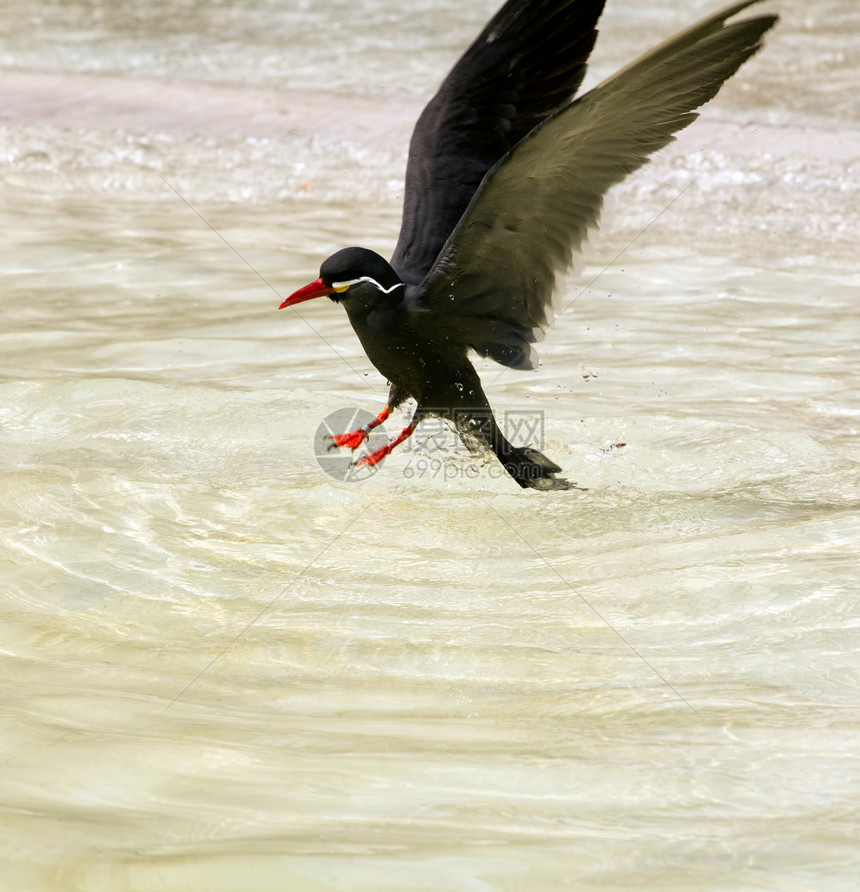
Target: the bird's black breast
(386, 338)
(412, 356)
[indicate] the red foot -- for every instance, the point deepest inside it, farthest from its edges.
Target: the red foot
(376, 457)
(372, 459)
(352, 440)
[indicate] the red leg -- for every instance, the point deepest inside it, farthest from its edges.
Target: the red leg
(380, 454)
(354, 439)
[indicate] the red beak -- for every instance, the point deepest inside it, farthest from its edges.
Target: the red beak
(314, 289)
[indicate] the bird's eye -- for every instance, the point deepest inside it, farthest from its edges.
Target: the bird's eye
(340, 287)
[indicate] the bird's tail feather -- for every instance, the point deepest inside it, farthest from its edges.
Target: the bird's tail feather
(532, 469)
(529, 468)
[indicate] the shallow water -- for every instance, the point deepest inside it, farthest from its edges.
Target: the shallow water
(226, 670)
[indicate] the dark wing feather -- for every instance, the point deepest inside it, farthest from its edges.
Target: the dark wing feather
(527, 63)
(492, 284)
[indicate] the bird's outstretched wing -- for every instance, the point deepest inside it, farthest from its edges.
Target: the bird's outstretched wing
(492, 284)
(527, 63)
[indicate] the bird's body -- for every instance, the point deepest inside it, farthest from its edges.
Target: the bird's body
(506, 174)
(420, 363)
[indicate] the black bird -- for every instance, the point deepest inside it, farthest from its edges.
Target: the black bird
(506, 173)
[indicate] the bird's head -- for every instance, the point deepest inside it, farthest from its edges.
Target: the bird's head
(347, 273)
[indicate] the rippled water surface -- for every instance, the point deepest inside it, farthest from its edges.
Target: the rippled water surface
(225, 670)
